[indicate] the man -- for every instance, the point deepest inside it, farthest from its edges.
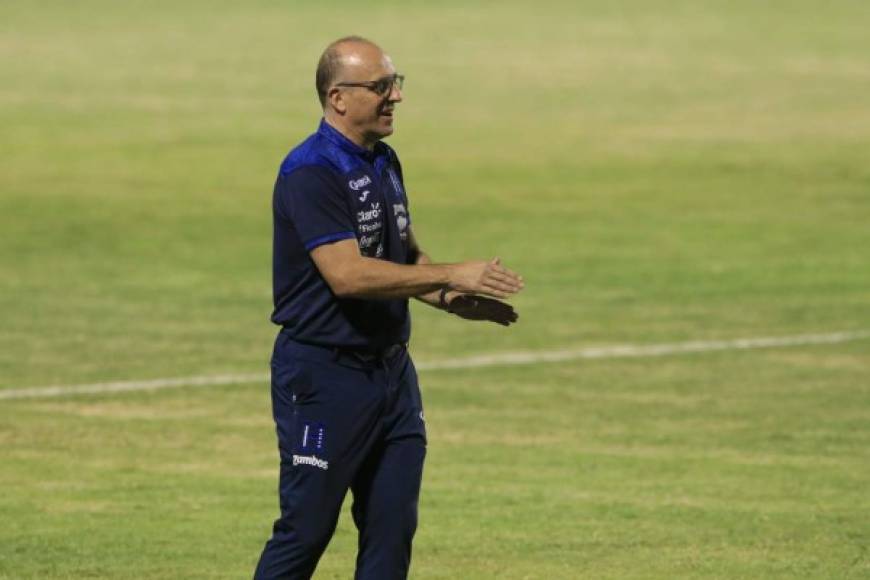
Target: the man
(345, 397)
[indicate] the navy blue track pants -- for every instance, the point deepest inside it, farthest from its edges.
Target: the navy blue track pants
(344, 422)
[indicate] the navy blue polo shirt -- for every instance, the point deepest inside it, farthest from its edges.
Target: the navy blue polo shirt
(330, 189)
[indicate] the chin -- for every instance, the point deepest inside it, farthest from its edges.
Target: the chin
(379, 131)
(383, 132)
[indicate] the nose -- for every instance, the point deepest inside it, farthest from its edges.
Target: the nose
(395, 95)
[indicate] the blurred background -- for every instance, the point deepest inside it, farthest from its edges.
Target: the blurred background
(659, 172)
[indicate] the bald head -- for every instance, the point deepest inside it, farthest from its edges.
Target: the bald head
(345, 52)
(359, 89)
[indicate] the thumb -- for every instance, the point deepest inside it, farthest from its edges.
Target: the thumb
(495, 261)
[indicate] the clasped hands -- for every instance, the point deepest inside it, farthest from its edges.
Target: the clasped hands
(481, 285)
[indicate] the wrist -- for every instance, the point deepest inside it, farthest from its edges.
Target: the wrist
(448, 273)
(443, 302)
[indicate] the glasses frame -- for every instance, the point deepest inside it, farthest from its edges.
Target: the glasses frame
(395, 80)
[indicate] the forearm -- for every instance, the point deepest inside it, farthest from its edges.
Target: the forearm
(433, 298)
(351, 275)
(373, 278)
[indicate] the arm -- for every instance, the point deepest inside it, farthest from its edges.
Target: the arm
(440, 298)
(352, 275)
(317, 207)
(467, 306)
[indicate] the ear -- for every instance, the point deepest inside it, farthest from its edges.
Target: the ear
(335, 100)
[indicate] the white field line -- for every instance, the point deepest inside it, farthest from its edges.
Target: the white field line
(500, 359)
(123, 386)
(626, 351)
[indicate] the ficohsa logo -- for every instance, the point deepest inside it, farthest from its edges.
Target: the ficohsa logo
(357, 184)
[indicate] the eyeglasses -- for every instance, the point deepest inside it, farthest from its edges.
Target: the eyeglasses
(381, 87)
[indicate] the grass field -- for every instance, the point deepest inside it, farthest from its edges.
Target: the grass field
(658, 172)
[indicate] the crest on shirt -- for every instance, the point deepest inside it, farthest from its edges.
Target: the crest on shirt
(402, 220)
(397, 183)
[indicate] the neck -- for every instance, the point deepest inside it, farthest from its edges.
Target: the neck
(337, 123)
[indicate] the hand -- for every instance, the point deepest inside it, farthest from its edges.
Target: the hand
(472, 307)
(487, 278)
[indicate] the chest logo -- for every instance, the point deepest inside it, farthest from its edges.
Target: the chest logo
(364, 195)
(357, 184)
(370, 214)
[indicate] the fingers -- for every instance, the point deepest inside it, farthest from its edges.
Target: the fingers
(487, 278)
(482, 308)
(504, 283)
(505, 319)
(503, 314)
(498, 289)
(495, 292)
(507, 275)
(499, 281)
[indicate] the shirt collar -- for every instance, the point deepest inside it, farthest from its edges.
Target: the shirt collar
(335, 137)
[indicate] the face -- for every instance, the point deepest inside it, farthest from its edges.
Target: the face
(367, 112)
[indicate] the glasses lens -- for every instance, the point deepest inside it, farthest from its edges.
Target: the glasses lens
(385, 85)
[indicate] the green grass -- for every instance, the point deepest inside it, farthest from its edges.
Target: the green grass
(658, 171)
(720, 466)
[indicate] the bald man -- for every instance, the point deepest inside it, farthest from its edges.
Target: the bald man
(345, 397)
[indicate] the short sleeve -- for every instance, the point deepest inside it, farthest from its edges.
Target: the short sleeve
(315, 204)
